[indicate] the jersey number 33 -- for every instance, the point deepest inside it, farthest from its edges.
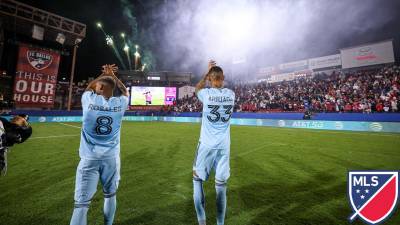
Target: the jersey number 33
(215, 115)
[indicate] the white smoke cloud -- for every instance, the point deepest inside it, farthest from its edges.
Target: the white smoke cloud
(263, 32)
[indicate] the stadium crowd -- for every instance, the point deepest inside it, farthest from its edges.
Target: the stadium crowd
(361, 91)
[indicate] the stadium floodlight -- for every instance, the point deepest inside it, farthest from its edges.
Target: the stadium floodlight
(144, 66)
(126, 48)
(99, 25)
(109, 40)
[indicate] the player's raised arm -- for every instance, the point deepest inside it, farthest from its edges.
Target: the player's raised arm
(203, 81)
(91, 85)
(110, 70)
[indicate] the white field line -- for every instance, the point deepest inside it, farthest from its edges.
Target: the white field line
(69, 125)
(56, 136)
(59, 136)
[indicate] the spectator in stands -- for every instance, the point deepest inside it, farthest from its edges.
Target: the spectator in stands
(394, 104)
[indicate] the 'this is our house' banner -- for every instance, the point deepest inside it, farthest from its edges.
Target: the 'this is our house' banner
(36, 77)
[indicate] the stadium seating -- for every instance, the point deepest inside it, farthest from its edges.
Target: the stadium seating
(360, 91)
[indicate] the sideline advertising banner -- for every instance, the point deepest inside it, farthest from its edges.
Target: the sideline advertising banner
(36, 77)
(391, 127)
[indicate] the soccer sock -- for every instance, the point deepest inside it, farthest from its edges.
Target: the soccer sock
(79, 217)
(110, 205)
(220, 189)
(199, 200)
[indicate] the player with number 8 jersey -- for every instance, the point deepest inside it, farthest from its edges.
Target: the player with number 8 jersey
(100, 144)
(100, 136)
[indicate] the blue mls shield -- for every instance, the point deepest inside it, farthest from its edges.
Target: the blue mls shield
(373, 194)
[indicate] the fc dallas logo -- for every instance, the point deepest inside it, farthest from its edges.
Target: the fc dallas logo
(373, 194)
(39, 60)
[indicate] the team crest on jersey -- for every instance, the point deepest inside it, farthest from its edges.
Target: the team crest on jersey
(373, 194)
(39, 60)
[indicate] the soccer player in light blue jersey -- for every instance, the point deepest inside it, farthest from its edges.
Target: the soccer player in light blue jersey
(213, 149)
(100, 145)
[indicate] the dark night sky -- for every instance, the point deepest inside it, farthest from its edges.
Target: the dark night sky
(93, 51)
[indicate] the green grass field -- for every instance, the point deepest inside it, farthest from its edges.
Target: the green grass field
(278, 175)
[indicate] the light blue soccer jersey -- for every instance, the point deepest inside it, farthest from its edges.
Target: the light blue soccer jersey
(101, 126)
(218, 106)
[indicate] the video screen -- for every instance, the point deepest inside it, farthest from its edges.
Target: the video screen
(153, 95)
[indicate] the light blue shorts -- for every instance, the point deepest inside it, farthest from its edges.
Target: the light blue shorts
(88, 174)
(208, 159)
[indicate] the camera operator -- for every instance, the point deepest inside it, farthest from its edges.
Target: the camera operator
(15, 131)
(307, 115)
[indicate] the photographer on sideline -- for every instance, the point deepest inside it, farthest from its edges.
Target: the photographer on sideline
(15, 131)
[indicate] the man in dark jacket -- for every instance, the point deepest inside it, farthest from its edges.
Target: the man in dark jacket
(12, 132)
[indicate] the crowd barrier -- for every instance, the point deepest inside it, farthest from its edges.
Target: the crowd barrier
(393, 127)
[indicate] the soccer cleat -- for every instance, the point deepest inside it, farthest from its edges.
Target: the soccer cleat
(3, 161)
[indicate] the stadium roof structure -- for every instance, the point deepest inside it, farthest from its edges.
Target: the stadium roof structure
(21, 18)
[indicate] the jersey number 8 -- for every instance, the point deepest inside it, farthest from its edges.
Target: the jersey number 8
(103, 125)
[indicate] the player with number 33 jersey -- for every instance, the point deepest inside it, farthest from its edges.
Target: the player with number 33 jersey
(213, 149)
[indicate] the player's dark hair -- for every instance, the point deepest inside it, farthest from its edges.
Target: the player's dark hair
(216, 72)
(216, 69)
(108, 81)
